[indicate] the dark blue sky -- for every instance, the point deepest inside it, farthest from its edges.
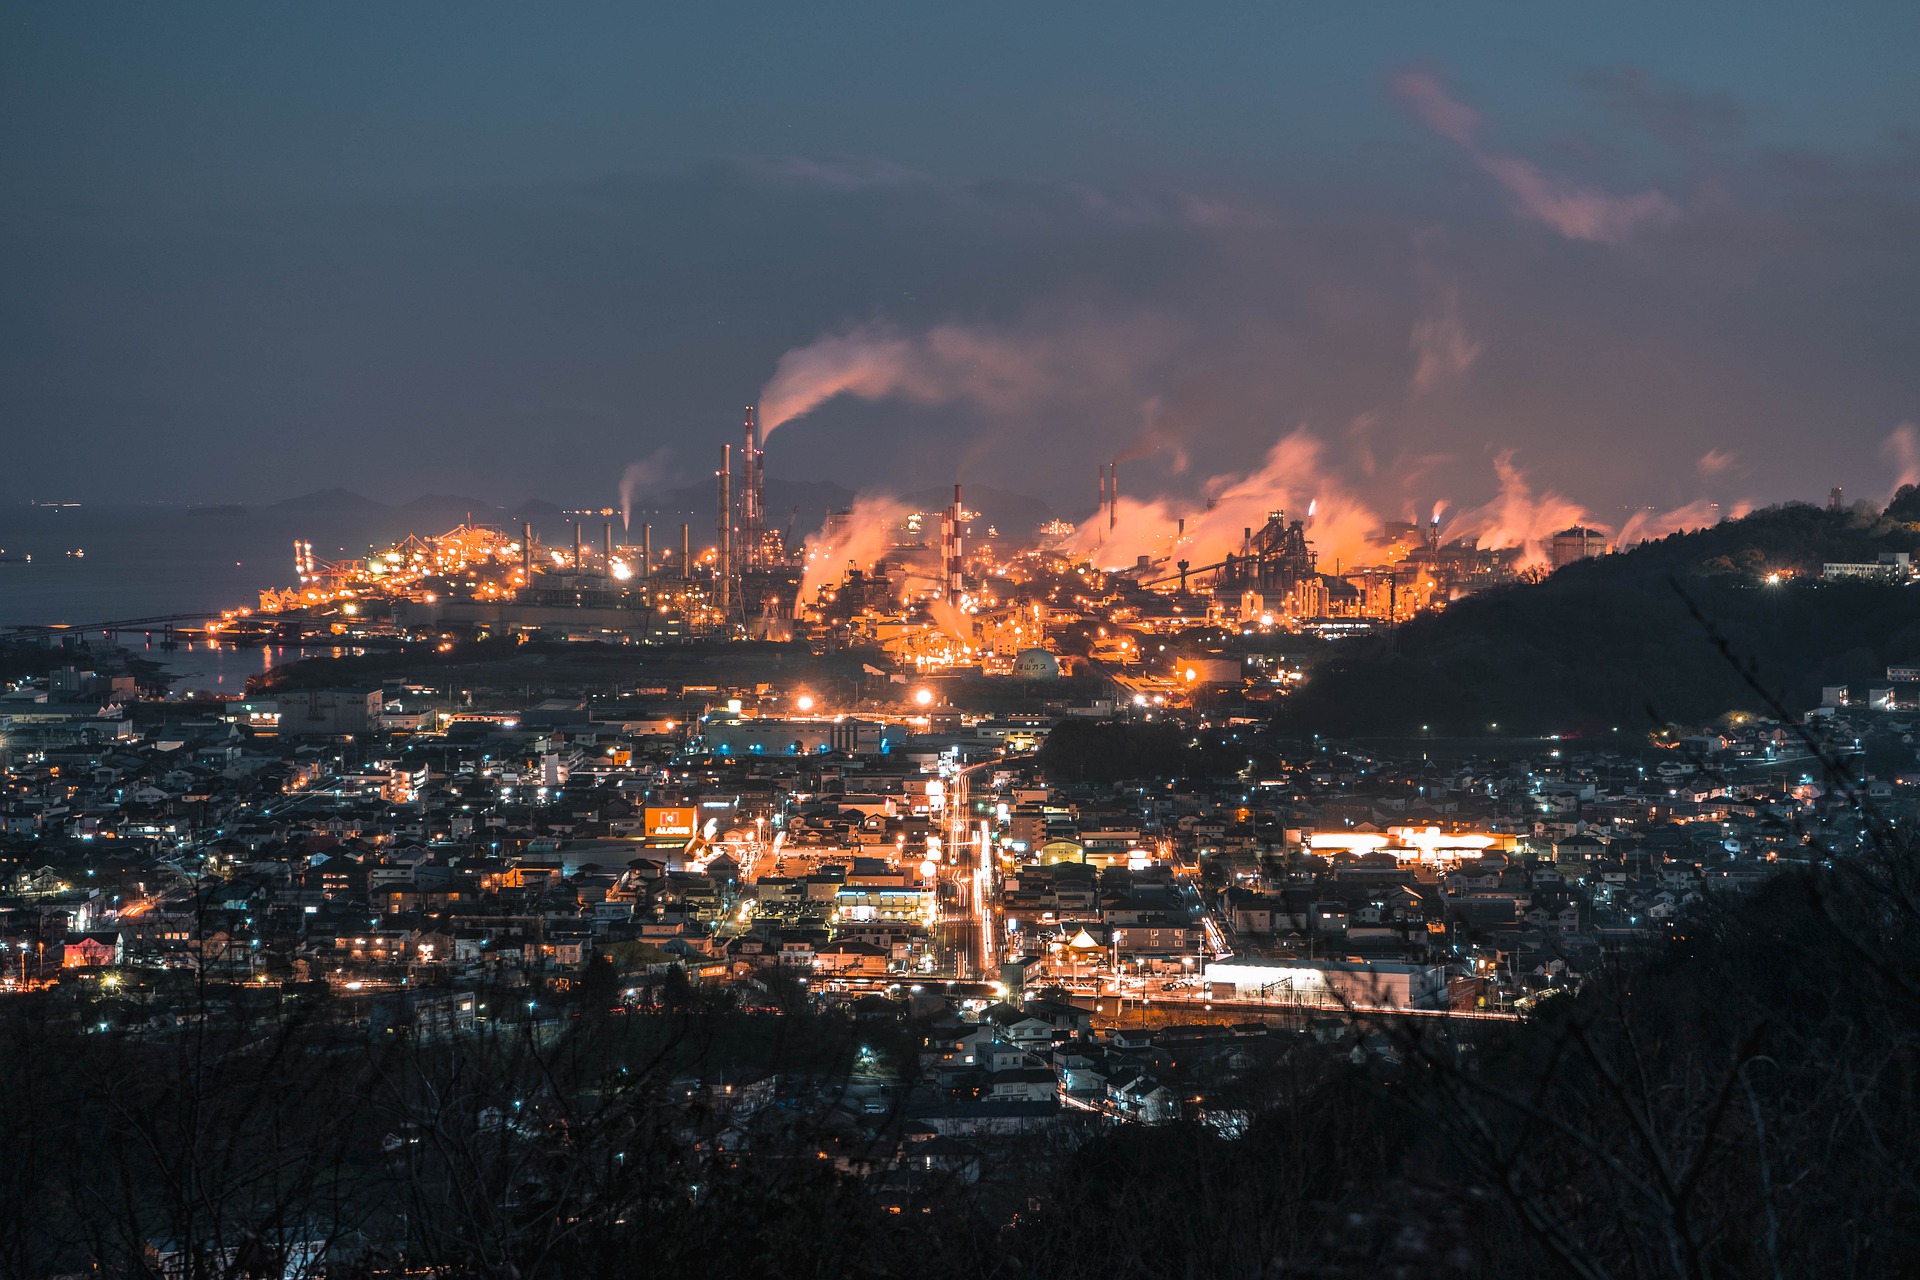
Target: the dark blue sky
(1664, 252)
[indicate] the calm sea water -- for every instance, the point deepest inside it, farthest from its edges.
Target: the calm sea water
(151, 561)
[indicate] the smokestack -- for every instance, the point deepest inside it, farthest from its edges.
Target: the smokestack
(646, 551)
(723, 563)
(526, 553)
(1113, 498)
(606, 546)
(576, 546)
(950, 549)
(686, 553)
(749, 551)
(1103, 490)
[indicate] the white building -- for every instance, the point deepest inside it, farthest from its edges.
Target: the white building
(1332, 983)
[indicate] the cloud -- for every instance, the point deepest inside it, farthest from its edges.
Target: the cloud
(1576, 212)
(1442, 349)
(1695, 124)
(1160, 435)
(1715, 463)
(627, 313)
(1439, 110)
(838, 173)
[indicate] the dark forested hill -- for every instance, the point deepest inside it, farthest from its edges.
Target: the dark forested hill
(1614, 641)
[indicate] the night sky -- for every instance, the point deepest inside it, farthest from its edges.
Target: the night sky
(1661, 253)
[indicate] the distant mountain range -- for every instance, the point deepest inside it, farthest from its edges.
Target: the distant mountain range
(797, 505)
(345, 501)
(1015, 515)
(803, 506)
(329, 500)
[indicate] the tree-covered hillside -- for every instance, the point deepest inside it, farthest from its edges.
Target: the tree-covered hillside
(1614, 641)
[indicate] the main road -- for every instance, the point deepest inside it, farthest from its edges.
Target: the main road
(966, 921)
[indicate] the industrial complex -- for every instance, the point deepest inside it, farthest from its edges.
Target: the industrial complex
(935, 590)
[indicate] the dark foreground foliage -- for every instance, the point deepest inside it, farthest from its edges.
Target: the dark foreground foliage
(1081, 750)
(1744, 1101)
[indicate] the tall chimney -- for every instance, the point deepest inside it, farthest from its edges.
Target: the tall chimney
(950, 549)
(749, 551)
(723, 552)
(1113, 498)
(646, 551)
(606, 546)
(526, 553)
(686, 553)
(576, 546)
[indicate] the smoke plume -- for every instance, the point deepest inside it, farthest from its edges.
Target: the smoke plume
(951, 621)
(1003, 373)
(637, 478)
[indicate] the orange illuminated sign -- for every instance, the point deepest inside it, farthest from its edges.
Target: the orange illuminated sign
(672, 823)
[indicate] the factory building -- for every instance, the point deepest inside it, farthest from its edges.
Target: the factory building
(755, 735)
(1332, 983)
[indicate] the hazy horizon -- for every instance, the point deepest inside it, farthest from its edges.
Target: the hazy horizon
(1607, 265)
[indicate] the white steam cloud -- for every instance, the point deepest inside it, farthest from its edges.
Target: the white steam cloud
(1519, 517)
(1902, 452)
(861, 537)
(1292, 478)
(1645, 526)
